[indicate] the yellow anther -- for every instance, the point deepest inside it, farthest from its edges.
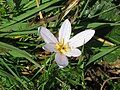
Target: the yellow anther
(62, 47)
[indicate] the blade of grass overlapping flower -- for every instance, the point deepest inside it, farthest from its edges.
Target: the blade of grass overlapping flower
(22, 53)
(101, 54)
(28, 14)
(2, 60)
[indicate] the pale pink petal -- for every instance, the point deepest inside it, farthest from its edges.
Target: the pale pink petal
(47, 35)
(49, 47)
(73, 52)
(61, 60)
(81, 38)
(65, 31)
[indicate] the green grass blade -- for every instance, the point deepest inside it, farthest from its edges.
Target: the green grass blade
(101, 54)
(20, 52)
(84, 8)
(105, 11)
(14, 74)
(18, 33)
(94, 25)
(29, 13)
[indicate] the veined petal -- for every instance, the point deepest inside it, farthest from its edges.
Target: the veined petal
(47, 35)
(49, 47)
(81, 38)
(61, 60)
(73, 52)
(65, 31)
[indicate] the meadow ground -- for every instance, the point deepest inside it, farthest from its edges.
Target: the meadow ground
(25, 65)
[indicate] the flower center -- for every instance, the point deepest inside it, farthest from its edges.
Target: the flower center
(62, 47)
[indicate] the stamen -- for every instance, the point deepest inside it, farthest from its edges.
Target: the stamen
(61, 47)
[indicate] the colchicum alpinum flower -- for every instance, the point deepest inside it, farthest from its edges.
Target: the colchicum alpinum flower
(64, 46)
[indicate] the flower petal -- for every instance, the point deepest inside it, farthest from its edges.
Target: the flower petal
(49, 47)
(81, 38)
(47, 35)
(65, 31)
(73, 52)
(61, 60)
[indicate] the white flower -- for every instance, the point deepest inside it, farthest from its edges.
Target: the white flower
(64, 46)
